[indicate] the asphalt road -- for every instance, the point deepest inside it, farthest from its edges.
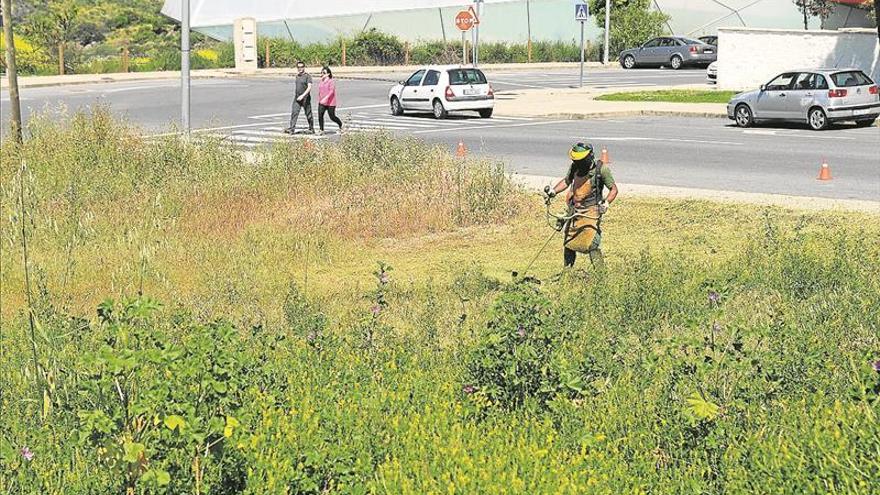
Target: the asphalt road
(681, 152)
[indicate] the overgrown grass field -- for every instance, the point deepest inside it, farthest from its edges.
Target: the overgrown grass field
(341, 318)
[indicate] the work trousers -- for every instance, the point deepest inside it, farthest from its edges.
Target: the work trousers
(305, 104)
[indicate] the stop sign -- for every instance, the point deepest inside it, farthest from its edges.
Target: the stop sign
(464, 20)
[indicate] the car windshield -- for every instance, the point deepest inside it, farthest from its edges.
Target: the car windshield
(850, 78)
(458, 77)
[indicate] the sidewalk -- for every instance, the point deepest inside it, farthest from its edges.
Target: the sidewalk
(802, 203)
(580, 103)
(351, 71)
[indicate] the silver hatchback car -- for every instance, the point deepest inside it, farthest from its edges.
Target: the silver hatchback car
(815, 96)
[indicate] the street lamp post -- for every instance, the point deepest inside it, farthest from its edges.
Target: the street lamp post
(607, 26)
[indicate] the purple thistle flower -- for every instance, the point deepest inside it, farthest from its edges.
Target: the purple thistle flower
(376, 309)
(469, 389)
(716, 327)
(384, 278)
(521, 331)
(27, 454)
(876, 365)
(714, 297)
(311, 336)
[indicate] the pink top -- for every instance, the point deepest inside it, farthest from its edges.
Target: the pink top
(327, 92)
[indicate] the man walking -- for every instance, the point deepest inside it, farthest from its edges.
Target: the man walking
(302, 99)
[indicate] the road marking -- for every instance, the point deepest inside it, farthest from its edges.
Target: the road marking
(673, 140)
(496, 81)
(340, 109)
(430, 131)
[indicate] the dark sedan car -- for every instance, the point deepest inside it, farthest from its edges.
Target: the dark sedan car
(673, 51)
(709, 40)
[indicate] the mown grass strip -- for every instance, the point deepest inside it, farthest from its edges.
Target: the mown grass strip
(672, 96)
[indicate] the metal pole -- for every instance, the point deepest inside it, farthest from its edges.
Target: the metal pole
(474, 46)
(529, 30)
(582, 54)
(479, 10)
(442, 27)
(463, 49)
(607, 27)
(12, 72)
(184, 67)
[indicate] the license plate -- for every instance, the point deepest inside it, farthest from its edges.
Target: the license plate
(470, 92)
(862, 111)
(708, 51)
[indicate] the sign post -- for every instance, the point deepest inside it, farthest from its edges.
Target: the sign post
(581, 14)
(464, 21)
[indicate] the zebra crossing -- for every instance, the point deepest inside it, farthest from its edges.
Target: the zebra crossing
(270, 130)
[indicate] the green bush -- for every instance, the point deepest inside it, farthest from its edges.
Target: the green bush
(373, 47)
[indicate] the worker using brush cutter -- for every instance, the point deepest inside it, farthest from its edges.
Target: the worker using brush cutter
(586, 181)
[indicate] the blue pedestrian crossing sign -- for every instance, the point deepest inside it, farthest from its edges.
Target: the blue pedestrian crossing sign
(581, 12)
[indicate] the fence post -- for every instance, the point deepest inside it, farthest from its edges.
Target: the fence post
(343, 52)
(406, 53)
(268, 62)
(61, 58)
(125, 56)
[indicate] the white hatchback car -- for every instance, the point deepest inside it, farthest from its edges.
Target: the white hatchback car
(442, 89)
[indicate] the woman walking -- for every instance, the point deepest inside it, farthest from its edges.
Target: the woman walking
(327, 98)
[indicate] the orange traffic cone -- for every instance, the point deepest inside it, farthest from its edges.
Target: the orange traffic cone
(604, 158)
(461, 151)
(824, 171)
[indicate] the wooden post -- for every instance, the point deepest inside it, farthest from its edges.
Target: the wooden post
(125, 56)
(406, 53)
(61, 58)
(343, 52)
(268, 62)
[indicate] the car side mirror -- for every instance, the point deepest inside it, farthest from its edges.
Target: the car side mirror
(402, 83)
(763, 87)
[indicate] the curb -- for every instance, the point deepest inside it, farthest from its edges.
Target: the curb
(635, 113)
(228, 73)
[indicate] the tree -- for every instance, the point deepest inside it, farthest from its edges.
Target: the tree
(873, 8)
(632, 23)
(11, 71)
(53, 25)
(814, 8)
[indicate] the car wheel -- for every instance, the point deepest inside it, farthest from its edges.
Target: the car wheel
(675, 62)
(865, 123)
(817, 119)
(629, 62)
(743, 115)
(486, 113)
(439, 111)
(396, 107)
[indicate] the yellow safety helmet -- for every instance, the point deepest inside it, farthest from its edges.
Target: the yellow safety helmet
(579, 151)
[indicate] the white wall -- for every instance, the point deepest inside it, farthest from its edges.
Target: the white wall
(748, 57)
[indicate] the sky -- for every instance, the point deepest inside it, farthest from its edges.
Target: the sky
(550, 20)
